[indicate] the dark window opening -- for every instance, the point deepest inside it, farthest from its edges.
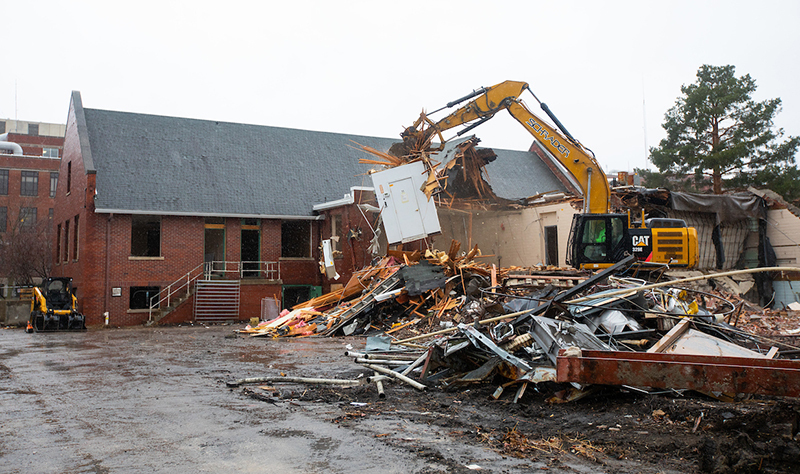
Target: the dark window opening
(66, 242)
(69, 176)
(27, 218)
(29, 183)
(250, 252)
(53, 184)
(58, 243)
(294, 295)
(140, 296)
(75, 240)
(145, 236)
(3, 182)
(33, 129)
(3, 219)
(551, 245)
(296, 239)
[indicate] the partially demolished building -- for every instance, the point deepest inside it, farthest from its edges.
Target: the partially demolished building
(156, 204)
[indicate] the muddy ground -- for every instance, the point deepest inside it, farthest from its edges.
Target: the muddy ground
(155, 400)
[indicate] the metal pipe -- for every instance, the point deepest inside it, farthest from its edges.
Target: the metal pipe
(397, 375)
(278, 378)
(416, 363)
(396, 363)
(379, 385)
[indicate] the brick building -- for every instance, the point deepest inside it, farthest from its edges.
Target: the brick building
(145, 203)
(29, 163)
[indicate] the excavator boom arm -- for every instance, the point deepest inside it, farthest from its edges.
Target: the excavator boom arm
(579, 161)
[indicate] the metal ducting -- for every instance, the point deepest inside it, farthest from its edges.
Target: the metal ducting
(7, 145)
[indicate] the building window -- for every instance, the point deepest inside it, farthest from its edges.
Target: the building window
(75, 239)
(29, 183)
(145, 236)
(27, 218)
(53, 184)
(65, 257)
(3, 182)
(3, 219)
(33, 129)
(49, 152)
(296, 239)
(58, 244)
(69, 176)
(140, 296)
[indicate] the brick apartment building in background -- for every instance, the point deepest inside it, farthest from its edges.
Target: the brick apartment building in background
(29, 162)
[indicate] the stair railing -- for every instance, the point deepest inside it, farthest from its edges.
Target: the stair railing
(182, 285)
(207, 270)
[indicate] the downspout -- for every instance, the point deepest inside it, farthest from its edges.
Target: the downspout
(107, 277)
(7, 145)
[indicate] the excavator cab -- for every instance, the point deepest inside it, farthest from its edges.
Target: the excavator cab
(55, 308)
(597, 240)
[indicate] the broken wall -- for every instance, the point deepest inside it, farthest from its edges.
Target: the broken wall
(509, 237)
(783, 231)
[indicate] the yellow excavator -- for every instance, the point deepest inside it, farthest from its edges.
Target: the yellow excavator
(55, 308)
(598, 238)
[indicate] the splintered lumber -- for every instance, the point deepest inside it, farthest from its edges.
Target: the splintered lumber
(386, 159)
(411, 256)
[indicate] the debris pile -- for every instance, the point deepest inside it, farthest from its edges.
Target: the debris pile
(444, 320)
(408, 293)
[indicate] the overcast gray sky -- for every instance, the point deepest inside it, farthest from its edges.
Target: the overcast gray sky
(609, 70)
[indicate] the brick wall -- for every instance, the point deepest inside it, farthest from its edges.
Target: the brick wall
(15, 165)
(104, 260)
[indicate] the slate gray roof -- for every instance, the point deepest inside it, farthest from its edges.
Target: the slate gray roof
(167, 165)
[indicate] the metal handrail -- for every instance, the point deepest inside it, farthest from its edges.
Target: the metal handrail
(183, 282)
(267, 270)
(270, 270)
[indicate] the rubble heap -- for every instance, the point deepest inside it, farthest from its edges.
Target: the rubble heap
(443, 319)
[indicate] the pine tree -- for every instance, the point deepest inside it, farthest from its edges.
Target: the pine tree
(718, 135)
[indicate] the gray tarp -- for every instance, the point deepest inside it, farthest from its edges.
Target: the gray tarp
(727, 207)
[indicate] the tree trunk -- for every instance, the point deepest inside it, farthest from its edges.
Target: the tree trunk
(717, 178)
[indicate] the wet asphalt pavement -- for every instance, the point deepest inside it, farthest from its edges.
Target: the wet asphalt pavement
(154, 400)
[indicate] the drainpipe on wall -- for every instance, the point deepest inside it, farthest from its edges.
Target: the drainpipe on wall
(107, 284)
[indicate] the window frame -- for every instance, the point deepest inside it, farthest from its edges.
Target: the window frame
(4, 182)
(133, 296)
(53, 183)
(291, 236)
(141, 234)
(29, 183)
(25, 222)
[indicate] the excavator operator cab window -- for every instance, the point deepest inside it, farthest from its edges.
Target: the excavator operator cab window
(594, 240)
(600, 237)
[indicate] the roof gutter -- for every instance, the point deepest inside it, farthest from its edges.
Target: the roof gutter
(207, 214)
(345, 201)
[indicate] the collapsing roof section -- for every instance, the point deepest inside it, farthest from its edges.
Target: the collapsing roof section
(458, 170)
